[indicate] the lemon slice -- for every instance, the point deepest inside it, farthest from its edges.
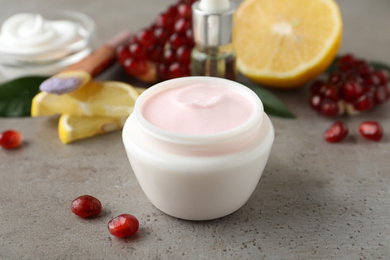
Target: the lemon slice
(108, 98)
(44, 104)
(72, 128)
(286, 43)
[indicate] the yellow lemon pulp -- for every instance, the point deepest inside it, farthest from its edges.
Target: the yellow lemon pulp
(286, 43)
(108, 98)
(72, 128)
(93, 109)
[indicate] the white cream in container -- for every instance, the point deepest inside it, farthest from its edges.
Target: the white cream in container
(206, 173)
(43, 42)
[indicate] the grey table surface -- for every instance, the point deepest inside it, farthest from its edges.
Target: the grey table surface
(314, 201)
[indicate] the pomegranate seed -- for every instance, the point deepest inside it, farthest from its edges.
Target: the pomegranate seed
(182, 25)
(332, 92)
(86, 206)
(380, 94)
(371, 130)
(155, 53)
(184, 10)
(363, 68)
(175, 70)
(161, 35)
(172, 10)
(123, 53)
(335, 78)
(336, 132)
(383, 76)
(168, 56)
(10, 139)
(346, 62)
(124, 225)
(329, 108)
(135, 67)
(351, 91)
(146, 37)
(136, 51)
(176, 40)
(317, 86)
(346, 59)
(364, 102)
(183, 55)
(315, 102)
(162, 71)
(190, 36)
(165, 20)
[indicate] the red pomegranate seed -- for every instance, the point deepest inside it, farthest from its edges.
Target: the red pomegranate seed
(363, 68)
(316, 86)
(315, 102)
(162, 71)
(124, 225)
(137, 50)
(10, 139)
(182, 25)
(169, 56)
(364, 102)
(172, 10)
(184, 10)
(383, 76)
(371, 130)
(161, 35)
(86, 206)
(346, 62)
(351, 91)
(332, 92)
(183, 55)
(165, 20)
(335, 78)
(380, 94)
(146, 37)
(123, 53)
(155, 53)
(329, 108)
(175, 70)
(176, 40)
(135, 67)
(336, 132)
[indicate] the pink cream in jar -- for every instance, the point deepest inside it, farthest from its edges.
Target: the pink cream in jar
(198, 145)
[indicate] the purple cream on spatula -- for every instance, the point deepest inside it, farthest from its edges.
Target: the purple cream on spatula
(60, 85)
(93, 64)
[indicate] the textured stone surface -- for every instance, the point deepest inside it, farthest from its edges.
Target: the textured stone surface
(314, 201)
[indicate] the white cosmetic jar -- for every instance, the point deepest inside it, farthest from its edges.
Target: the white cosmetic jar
(198, 177)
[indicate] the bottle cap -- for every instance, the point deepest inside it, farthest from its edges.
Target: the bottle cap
(212, 28)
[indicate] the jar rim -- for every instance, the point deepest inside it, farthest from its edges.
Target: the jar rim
(198, 139)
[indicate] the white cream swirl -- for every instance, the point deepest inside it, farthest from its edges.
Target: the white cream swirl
(28, 34)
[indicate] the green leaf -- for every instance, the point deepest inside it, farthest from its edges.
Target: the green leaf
(272, 105)
(380, 66)
(16, 96)
(333, 66)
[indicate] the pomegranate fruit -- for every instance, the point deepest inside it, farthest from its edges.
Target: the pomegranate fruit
(10, 139)
(124, 225)
(86, 206)
(336, 132)
(163, 50)
(355, 87)
(371, 130)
